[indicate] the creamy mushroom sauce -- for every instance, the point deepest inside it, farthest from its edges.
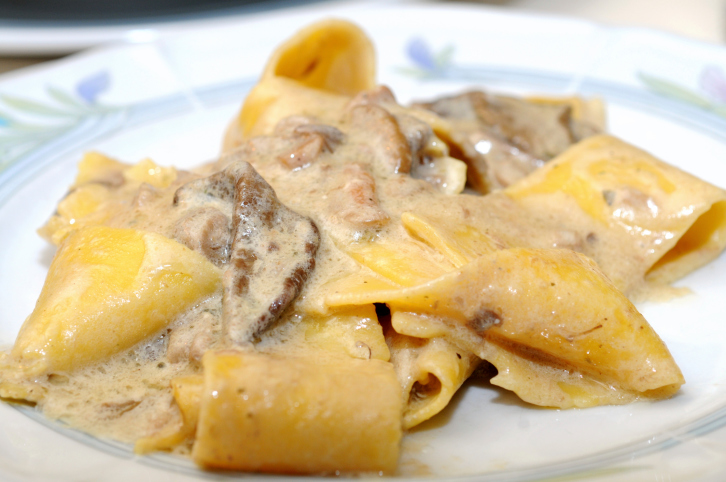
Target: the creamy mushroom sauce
(353, 180)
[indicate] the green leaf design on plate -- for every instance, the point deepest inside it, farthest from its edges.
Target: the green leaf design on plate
(23, 127)
(17, 136)
(444, 57)
(7, 118)
(720, 110)
(414, 72)
(65, 98)
(32, 107)
(55, 118)
(675, 91)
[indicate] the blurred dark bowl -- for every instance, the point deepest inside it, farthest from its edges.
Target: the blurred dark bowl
(119, 11)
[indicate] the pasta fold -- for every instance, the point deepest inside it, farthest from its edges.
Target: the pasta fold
(429, 368)
(552, 307)
(315, 73)
(458, 242)
(293, 415)
(107, 289)
(643, 221)
(354, 332)
(430, 371)
(103, 190)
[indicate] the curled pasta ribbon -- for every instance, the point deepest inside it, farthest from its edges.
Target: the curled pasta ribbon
(314, 73)
(429, 366)
(556, 312)
(430, 370)
(664, 222)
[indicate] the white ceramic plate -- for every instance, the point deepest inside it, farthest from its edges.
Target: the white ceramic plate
(170, 100)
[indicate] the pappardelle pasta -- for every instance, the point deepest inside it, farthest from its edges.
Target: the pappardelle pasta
(330, 281)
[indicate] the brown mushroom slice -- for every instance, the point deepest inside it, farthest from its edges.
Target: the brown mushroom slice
(503, 139)
(217, 189)
(272, 253)
(384, 135)
(418, 134)
(207, 231)
(354, 200)
(308, 141)
(373, 105)
(297, 141)
(206, 224)
(542, 130)
(269, 250)
(331, 135)
(379, 95)
(493, 163)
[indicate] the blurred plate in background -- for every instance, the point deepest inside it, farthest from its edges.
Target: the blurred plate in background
(52, 27)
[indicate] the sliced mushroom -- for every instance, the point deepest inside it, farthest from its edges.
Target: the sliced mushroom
(502, 139)
(235, 218)
(390, 147)
(272, 254)
(303, 139)
(308, 142)
(541, 130)
(206, 230)
(417, 134)
(201, 192)
(379, 95)
(493, 163)
(354, 200)
(301, 125)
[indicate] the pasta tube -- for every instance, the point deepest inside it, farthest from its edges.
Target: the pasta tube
(430, 371)
(645, 222)
(292, 415)
(554, 308)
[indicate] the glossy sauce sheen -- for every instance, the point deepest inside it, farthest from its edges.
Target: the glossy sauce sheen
(132, 398)
(332, 248)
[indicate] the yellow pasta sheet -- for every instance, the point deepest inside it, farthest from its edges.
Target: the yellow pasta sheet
(644, 221)
(553, 308)
(108, 289)
(430, 370)
(314, 73)
(293, 415)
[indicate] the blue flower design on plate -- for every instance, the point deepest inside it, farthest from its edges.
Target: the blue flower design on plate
(90, 87)
(427, 62)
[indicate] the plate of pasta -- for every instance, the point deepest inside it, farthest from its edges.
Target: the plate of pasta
(482, 246)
